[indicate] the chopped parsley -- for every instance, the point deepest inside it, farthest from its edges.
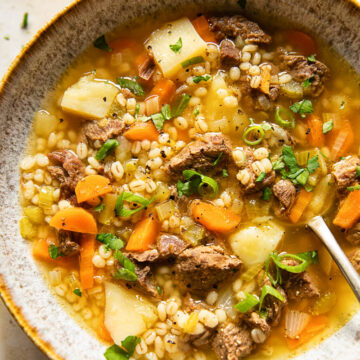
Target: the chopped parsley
(196, 112)
(302, 107)
(123, 352)
(196, 183)
(261, 177)
(266, 194)
(132, 85)
(353, 188)
(99, 208)
(311, 58)
(159, 118)
(7, 37)
(54, 251)
(100, 43)
(131, 198)
(77, 292)
(159, 290)
(137, 110)
(25, 21)
(357, 171)
(166, 111)
(342, 105)
(106, 149)
(306, 83)
(111, 241)
(327, 126)
(225, 173)
(197, 79)
(176, 48)
(298, 175)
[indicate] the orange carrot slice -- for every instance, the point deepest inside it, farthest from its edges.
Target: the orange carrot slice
(74, 219)
(142, 131)
(86, 267)
(91, 187)
(302, 201)
(349, 212)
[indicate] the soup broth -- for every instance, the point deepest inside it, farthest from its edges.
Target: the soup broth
(168, 180)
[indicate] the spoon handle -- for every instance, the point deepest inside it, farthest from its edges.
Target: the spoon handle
(318, 225)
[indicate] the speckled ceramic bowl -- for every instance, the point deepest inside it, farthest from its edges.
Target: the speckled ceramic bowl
(35, 72)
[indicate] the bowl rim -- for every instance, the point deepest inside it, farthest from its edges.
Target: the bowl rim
(5, 293)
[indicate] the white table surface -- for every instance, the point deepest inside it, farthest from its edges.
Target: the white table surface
(14, 343)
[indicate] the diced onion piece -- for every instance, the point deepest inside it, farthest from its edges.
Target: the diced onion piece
(165, 210)
(295, 323)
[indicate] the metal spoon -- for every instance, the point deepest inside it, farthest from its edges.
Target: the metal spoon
(318, 225)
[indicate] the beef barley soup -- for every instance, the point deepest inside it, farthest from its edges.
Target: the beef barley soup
(167, 181)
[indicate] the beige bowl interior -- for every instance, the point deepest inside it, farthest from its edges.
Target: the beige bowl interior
(35, 73)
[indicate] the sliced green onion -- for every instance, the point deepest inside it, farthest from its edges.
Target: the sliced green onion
(254, 128)
(269, 290)
(205, 181)
(246, 304)
(353, 188)
(180, 104)
(217, 159)
(303, 177)
(310, 256)
(266, 194)
(284, 117)
(192, 61)
(127, 196)
(105, 150)
(357, 171)
(25, 21)
(303, 263)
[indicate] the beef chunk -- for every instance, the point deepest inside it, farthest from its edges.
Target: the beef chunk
(101, 130)
(201, 154)
(344, 172)
(232, 26)
(145, 281)
(147, 68)
(353, 235)
(273, 306)
(354, 257)
(71, 171)
(232, 342)
(145, 256)
(68, 243)
(251, 185)
(204, 267)
(302, 285)
(301, 69)
(285, 192)
(229, 54)
(170, 245)
(254, 320)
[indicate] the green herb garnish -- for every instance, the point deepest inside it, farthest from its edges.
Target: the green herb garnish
(261, 177)
(197, 79)
(357, 171)
(217, 159)
(254, 131)
(180, 105)
(306, 83)
(269, 290)
(7, 37)
(159, 290)
(166, 111)
(54, 251)
(77, 292)
(158, 120)
(342, 105)
(327, 126)
(225, 173)
(311, 58)
(132, 198)
(99, 208)
(101, 44)
(132, 85)
(25, 22)
(126, 273)
(353, 188)
(246, 304)
(176, 48)
(111, 241)
(192, 61)
(266, 194)
(195, 183)
(196, 112)
(284, 117)
(302, 107)
(124, 352)
(106, 149)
